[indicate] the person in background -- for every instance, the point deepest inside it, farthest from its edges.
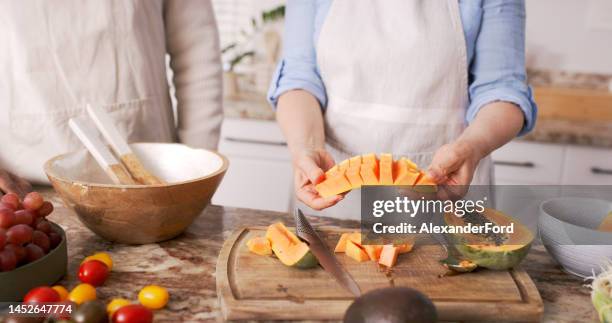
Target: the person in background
(57, 56)
(441, 82)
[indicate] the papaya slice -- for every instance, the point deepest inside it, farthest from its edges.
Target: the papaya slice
(356, 252)
(386, 169)
(404, 247)
(388, 255)
(260, 246)
(334, 185)
(606, 224)
(369, 169)
(341, 245)
(494, 251)
(373, 251)
(288, 248)
(406, 175)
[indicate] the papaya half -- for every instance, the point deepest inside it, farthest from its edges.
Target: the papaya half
(498, 251)
(289, 249)
(369, 169)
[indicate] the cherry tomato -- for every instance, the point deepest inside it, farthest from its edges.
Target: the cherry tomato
(93, 272)
(133, 314)
(82, 293)
(62, 291)
(103, 257)
(116, 304)
(42, 294)
(153, 297)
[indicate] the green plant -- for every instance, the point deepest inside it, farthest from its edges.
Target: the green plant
(235, 50)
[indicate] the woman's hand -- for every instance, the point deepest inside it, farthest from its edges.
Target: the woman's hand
(454, 164)
(10, 183)
(309, 169)
(453, 167)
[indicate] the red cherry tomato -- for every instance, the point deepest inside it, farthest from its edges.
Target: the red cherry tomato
(134, 313)
(93, 272)
(42, 294)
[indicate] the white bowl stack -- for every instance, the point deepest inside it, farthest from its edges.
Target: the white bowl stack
(568, 229)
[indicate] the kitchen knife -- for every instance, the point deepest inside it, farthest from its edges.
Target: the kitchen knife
(326, 258)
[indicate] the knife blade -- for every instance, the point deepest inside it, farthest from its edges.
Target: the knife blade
(326, 258)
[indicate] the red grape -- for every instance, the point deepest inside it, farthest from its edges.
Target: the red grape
(12, 200)
(33, 201)
(34, 252)
(24, 217)
(19, 251)
(41, 239)
(8, 261)
(19, 234)
(2, 238)
(42, 225)
(7, 218)
(55, 239)
(45, 209)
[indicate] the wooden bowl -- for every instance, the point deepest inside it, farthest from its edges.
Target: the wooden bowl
(44, 271)
(139, 214)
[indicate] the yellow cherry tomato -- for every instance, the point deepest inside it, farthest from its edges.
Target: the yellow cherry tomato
(115, 304)
(62, 291)
(153, 297)
(82, 293)
(103, 257)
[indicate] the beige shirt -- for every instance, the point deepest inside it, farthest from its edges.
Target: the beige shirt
(58, 55)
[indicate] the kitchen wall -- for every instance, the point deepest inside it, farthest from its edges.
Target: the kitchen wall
(570, 35)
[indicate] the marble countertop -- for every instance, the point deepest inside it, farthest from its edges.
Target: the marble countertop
(186, 265)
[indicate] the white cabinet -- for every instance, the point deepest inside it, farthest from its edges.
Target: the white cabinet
(259, 174)
(587, 166)
(528, 163)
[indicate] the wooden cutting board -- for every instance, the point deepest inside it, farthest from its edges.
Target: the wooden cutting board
(252, 287)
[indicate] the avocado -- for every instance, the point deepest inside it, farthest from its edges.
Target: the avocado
(391, 305)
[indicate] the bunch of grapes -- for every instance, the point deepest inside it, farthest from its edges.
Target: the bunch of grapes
(25, 234)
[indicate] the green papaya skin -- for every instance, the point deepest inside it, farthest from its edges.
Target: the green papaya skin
(492, 257)
(307, 262)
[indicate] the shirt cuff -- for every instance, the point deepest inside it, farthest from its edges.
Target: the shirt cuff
(524, 101)
(283, 82)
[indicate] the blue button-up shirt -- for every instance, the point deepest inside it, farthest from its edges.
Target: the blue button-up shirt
(495, 39)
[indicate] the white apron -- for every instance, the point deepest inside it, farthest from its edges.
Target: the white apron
(56, 56)
(395, 72)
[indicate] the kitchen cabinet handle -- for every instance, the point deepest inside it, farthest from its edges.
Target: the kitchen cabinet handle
(255, 141)
(514, 164)
(601, 171)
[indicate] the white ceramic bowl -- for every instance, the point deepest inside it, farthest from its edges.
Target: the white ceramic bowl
(568, 230)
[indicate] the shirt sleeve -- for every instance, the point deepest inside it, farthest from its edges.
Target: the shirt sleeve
(193, 44)
(497, 72)
(298, 66)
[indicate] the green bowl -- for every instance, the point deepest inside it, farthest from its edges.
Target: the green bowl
(44, 271)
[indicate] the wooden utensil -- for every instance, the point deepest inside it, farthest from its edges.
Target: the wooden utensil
(120, 147)
(83, 129)
(253, 287)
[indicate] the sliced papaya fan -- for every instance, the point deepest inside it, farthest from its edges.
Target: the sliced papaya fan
(357, 171)
(491, 250)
